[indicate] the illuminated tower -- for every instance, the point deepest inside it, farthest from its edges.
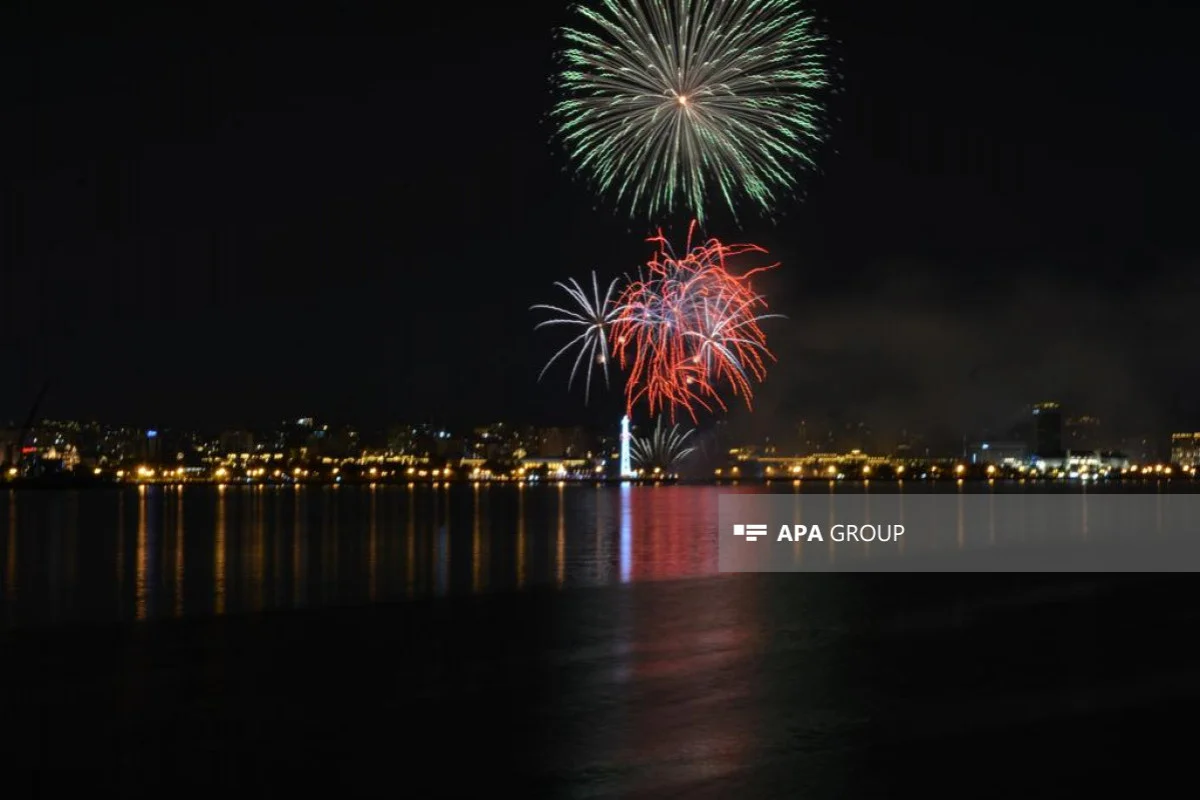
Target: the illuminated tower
(626, 466)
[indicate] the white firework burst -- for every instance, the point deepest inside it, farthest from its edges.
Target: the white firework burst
(594, 314)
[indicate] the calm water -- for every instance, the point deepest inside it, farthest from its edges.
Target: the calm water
(155, 552)
(727, 686)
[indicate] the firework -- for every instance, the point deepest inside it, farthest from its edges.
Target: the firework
(663, 449)
(666, 103)
(688, 329)
(594, 314)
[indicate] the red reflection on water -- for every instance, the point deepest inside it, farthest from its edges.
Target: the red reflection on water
(691, 674)
(671, 532)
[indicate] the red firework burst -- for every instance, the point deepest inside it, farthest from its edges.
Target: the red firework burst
(688, 329)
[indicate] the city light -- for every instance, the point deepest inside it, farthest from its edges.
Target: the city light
(544, 456)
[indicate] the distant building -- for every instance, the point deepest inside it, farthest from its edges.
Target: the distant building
(559, 467)
(1185, 449)
(151, 447)
(236, 442)
(999, 453)
(1047, 429)
(10, 450)
(1083, 461)
(554, 443)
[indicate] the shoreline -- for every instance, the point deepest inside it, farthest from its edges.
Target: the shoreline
(58, 484)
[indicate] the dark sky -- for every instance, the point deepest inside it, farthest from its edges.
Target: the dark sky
(234, 216)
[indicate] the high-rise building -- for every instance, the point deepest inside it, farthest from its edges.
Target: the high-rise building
(152, 447)
(1047, 429)
(1185, 449)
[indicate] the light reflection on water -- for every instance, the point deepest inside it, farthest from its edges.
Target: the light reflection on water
(195, 551)
(150, 552)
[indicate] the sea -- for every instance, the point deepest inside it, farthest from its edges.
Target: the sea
(155, 552)
(553, 640)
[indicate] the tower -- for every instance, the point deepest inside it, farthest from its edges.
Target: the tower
(626, 466)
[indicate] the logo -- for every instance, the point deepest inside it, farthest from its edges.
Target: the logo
(751, 532)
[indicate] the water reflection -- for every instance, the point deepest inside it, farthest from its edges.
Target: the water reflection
(120, 554)
(260, 549)
(692, 681)
(330, 574)
(140, 603)
(299, 537)
(521, 536)
(441, 553)
(960, 535)
(179, 550)
(1083, 502)
(198, 550)
(219, 553)
(373, 545)
(410, 537)
(626, 532)
(277, 553)
(991, 517)
(560, 541)
(479, 544)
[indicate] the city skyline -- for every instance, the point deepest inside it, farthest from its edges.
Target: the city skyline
(1046, 429)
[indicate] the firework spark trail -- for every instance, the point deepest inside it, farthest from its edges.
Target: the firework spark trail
(670, 103)
(595, 314)
(688, 327)
(663, 449)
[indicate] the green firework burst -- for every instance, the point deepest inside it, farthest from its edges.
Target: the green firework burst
(672, 104)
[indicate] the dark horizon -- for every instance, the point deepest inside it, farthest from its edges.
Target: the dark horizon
(348, 216)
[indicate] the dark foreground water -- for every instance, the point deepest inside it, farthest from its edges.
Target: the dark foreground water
(560, 661)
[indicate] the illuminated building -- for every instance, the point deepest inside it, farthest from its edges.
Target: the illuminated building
(558, 467)
(817, 464)
(1185, 449)
(1083, 461)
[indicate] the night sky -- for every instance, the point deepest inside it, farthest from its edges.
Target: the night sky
(234, 217)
